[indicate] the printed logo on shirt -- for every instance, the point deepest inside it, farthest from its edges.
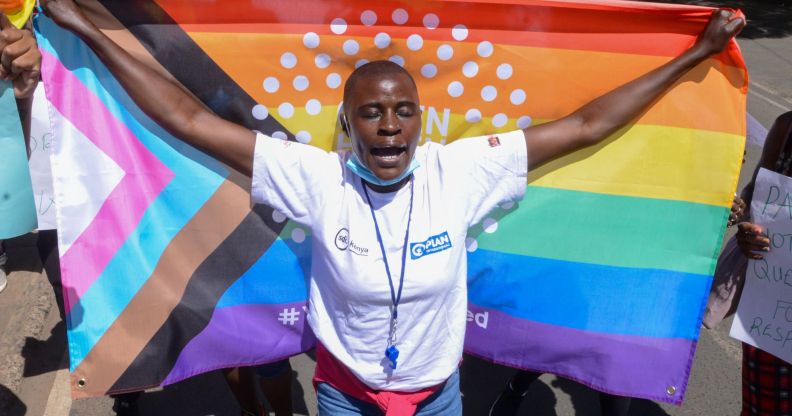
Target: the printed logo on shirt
(494, 141)
(344, 242)
(342, 239)
(433, 244)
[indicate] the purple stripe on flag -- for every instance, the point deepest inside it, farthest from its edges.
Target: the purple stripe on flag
(270, 333)
(646, 367)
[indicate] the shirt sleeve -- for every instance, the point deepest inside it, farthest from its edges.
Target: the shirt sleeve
(488, 171)
(293, 178)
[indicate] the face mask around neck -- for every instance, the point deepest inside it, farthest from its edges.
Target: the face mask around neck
(355, 165)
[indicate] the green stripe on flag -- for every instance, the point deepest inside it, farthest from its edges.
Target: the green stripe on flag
(610, 230)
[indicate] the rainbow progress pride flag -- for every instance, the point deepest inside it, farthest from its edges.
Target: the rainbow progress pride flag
(600, 274)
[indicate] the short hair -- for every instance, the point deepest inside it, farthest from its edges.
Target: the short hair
(374, 68)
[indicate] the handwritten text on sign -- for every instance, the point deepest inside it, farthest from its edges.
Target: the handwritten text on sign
(764, 317)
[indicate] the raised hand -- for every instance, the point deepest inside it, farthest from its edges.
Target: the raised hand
(722, 27)
(20, 59)
(67, 14)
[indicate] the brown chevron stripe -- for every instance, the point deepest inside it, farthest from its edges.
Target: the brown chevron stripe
(162, 292)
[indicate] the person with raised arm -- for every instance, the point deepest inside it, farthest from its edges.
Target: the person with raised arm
(389, 218)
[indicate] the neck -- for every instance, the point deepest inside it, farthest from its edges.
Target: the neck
(390, 188)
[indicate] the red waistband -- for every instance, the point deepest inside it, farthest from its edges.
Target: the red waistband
(331, 371)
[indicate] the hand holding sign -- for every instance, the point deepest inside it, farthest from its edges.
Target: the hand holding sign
(750, 239)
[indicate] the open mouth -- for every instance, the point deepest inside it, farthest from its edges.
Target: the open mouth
(388, 153)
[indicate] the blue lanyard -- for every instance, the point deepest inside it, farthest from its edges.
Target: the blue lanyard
(391, 352)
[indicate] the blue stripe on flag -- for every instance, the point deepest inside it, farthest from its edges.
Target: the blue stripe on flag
(279, 276)
(648, 302)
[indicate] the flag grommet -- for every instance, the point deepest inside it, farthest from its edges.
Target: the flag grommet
(81, 383)
(670, 390)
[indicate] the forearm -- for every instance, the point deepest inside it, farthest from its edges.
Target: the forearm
(25, 108)
(161, 99)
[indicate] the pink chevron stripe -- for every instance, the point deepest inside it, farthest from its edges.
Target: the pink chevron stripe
(145, 177)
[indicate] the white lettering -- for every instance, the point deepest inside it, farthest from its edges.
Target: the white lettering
(481, 319)
(433, 119)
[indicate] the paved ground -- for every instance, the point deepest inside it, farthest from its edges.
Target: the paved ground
(33, 379)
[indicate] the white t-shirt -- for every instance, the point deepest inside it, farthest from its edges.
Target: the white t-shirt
(350, 298)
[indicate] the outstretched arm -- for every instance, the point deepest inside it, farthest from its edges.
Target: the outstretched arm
(596, 120)
(165, 102)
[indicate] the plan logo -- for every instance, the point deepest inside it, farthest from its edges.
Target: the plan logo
(432, 245)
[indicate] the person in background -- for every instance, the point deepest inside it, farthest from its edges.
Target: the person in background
(766, 380)
(275, 380)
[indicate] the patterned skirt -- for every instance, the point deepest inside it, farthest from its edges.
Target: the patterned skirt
(766, 384)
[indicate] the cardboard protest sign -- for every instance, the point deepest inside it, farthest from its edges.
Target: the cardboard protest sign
(41, 143)
(764, 317)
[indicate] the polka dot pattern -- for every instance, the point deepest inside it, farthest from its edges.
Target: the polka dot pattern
(322, 60)
(517, 96)
(396, 59)
(470, 69)
(504, 71)
(333, 80)
(298, 235)
(485, 49)
(490, 225)
(313, 107)
(303, 136)
(456, 89)
(459, 32)
(473, 115)
(445, 52)
(368, 18)
(489, 93)
(338, 26)
(471, 244)
(414, 42)
(382, 40)
(271, 85)
(399, 16)
(311, 40)
(454, 48)
(524, 122)
(278, 217)
(431, 21)
(286, 110)
(260, 112)
(351, 47)
(288, 60)
(300, 83)
(429, 70)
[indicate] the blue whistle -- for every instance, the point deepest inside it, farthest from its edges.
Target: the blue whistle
(392, 354)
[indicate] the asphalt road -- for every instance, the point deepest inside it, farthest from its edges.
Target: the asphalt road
(33, 379)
